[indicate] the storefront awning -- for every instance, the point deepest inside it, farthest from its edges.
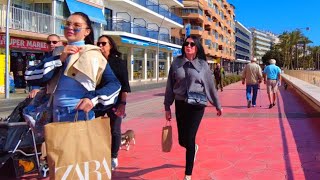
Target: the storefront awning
(128, 40)
(95, 14)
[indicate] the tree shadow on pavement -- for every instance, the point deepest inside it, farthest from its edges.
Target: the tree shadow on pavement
(118, 174)
(304, 123)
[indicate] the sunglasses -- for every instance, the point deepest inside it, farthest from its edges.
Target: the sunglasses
(102, 43)
(192, 44)
(53, 42)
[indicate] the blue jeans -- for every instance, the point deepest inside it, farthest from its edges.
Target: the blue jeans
(250, 88)
(67, 114)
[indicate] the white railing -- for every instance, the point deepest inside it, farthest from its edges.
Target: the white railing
(25, 20)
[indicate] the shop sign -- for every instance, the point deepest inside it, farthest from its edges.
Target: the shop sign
(19, 43)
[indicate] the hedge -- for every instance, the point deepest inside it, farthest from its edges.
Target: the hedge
(231, 78)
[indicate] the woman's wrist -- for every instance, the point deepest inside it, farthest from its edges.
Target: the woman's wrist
(123, 102)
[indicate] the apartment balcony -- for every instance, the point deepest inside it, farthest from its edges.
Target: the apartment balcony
(195, 30)
(154, 11)
(195, 14)
(29, 21)
(149, 30)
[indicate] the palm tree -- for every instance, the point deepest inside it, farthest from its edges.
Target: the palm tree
(305, 40)
(284, 47)
(295, 37)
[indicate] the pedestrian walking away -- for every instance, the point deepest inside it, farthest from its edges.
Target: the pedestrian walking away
(252, 77)
(118, 111)
(219, 76)
(189, 73)
(272, 77)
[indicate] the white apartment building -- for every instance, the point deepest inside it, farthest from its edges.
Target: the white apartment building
(243, 45)
(262, 42)
(142, 30)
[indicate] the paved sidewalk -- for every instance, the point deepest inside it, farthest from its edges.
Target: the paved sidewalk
(250, 144)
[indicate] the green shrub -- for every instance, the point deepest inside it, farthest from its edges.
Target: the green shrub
(229, 79)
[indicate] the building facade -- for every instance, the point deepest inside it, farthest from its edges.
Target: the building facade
(243, 49)
(262, 42)
(213, 22)
(141, 28)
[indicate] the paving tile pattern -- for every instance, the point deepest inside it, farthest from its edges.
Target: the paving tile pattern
(244, 144)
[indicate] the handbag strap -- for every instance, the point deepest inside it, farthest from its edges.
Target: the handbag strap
(55, 88)
(77, 115)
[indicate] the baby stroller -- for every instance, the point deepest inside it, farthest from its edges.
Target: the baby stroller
(19, 145)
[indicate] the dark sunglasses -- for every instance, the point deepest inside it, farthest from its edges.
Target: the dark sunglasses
(53, 42)
(192, 44)
(102, 43)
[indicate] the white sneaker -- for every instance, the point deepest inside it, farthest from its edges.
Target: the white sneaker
(187, 177)
(114, 163)
(195, 153)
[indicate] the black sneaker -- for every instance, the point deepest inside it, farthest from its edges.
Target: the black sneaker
(249, 104)
(273, 104)
(270, 106)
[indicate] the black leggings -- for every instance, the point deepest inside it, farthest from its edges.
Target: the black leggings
(115, 125)
(188, 121)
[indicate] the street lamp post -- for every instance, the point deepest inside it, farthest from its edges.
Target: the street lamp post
(7, 50)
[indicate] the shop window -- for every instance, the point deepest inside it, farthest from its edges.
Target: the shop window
(162, 69)
(151, 61)
(138, 57)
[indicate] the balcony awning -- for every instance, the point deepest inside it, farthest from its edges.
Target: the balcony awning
(95, 14)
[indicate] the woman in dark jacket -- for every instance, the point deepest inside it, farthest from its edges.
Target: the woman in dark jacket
(117, 112)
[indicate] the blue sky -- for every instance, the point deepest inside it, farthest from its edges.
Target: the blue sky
(278, 16)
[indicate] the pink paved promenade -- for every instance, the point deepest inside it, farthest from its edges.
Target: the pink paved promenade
(244, 144)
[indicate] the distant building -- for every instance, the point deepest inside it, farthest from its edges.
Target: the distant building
(243, 46)
(262, 41)
(213, 22)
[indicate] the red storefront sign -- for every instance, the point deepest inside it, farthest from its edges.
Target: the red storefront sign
(20, 43)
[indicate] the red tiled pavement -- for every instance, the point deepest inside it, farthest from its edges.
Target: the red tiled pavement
(250, 144)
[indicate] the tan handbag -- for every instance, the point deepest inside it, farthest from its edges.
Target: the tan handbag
(166, 140)
(79, 150)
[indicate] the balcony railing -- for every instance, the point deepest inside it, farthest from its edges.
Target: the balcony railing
(135, 28)
(25, 20)
(158, 8)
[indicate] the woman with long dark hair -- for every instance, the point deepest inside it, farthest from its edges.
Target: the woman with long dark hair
(118, 111)
(189, 73)
(80, 77)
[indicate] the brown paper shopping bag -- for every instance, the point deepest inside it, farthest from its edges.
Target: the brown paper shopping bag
(79, 150)
(166, 141)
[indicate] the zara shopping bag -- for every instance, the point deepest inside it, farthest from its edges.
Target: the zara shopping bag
(79, 150)
(166, 141)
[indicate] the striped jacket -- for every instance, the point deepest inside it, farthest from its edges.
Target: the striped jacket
(88, 67)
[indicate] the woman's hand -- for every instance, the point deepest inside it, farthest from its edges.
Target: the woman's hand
(121, 110)
(219, 112)
(168, 115)
(33, 93)
(85, 105)
(69, 49)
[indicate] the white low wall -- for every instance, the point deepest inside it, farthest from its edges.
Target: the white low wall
(311, 91)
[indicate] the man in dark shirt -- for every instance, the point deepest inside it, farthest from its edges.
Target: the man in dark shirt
(219, 75)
